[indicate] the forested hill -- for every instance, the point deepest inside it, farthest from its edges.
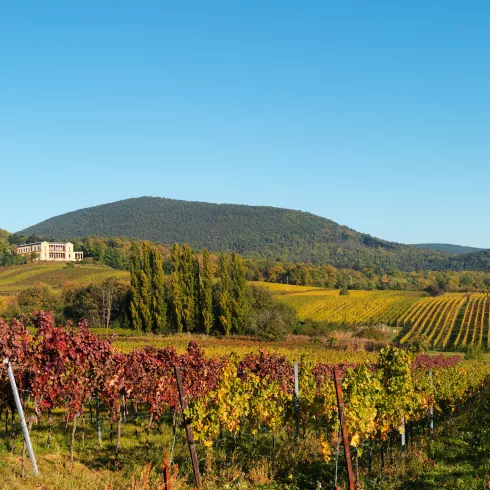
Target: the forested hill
(446, 247)
(266, 232)
(477, 261)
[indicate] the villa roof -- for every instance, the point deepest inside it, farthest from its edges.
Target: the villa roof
(39, 243)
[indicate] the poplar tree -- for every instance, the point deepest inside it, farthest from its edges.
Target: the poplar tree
(135, 273)
(240, 306)
(206, 296)
(146, 258)
(188, 286)
(225, 300)
(146, 289)
(176, 289)
(197, 293)
(159, 304)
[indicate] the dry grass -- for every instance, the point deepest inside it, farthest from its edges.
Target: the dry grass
(56, 473)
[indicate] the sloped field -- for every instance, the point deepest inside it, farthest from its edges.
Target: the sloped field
(453, 320)
(16, 278)
(358, 307)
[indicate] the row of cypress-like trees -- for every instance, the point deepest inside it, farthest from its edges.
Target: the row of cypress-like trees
(192, 299)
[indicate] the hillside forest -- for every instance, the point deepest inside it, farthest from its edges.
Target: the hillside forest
(255, 232)
(116, 253)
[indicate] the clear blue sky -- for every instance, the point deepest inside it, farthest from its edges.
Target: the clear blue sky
(375, 114)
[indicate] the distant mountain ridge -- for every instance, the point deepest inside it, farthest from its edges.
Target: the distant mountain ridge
(253, 231)
(449, 248)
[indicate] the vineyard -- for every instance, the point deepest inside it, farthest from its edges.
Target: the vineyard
(237, 405)
(449, 321)
(358, 307)
(16, 278)
(292, 348)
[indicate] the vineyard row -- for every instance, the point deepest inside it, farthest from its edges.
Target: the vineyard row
(449, 321)
(64, 368)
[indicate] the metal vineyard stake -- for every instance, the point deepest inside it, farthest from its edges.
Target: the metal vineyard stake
(20, 411)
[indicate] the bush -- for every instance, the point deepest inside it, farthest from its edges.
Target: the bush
(270, 325)
(40, 297)
(418, 343)
(312, 328)
(87, 261)
(370, 333)
(344, 292)
(269, 319)
(8, 306)
(435, 290)
(474, 353)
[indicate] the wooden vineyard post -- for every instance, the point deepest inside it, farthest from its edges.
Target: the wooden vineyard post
(296, 398)
(188, 429)
(166, 472)
(345, 435)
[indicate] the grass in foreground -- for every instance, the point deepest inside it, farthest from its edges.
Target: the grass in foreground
(457, 459)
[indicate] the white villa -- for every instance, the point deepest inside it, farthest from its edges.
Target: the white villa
(62, 252)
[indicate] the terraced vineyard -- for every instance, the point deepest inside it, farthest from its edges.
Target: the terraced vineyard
(16, 278)
(450, 321)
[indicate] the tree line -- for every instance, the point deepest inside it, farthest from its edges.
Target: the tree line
(182, 291)
(192, 300)
(457, 274)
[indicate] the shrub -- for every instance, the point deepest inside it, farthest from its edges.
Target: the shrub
(8, 306)
(418, 343)
(313, 328)
(270, 325)
(474, 353)
(269, 319)
(370, 333)
(40, 297)
(435, 290)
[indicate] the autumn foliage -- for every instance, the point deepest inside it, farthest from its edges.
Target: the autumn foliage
(64, 367)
